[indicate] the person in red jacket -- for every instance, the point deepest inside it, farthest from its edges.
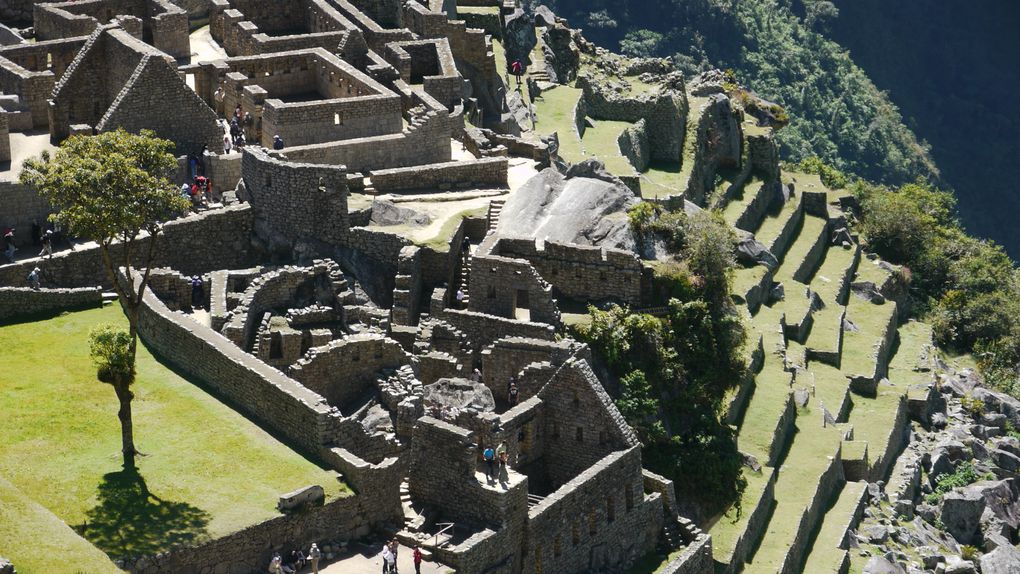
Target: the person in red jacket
(417, 560)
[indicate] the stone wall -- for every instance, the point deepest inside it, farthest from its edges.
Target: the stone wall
(21, 302)
(507, 357)
(117, 80)
(580, 272)
(633, 143)
(424, 140)
(250, 549)
(713, 141)
(482, 329)
(22, 205)
(33, 87)
(582, 425)
(600, 520)
(444, 459)
(273, 400)
(295, 202)
(343, 370)
(487, 172)
(665, 113)
(184, 245)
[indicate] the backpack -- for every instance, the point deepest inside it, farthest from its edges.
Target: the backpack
(488, 454)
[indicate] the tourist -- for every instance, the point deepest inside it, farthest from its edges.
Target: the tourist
(47, 243)
(237, 113)
(297, 560)
(33, 279)
(276, 564)
(228, 143)
(517, 69)
(513, 396)
(389, 561)
(277, 142)
(235, 129)
(394, 547)
(489, 456)
(197, 292)
(476, 376)
(314, 555)
(193, 165)
(460, 297)
(9, 247)
(417, 560)
(501, 456)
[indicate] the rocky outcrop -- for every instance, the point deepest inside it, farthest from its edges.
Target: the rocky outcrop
(586, 206)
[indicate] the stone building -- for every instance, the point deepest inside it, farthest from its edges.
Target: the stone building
(164, 25)
(118, 81)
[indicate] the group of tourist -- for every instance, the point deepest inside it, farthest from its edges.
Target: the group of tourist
(296, 561)
(45, 238)
(389, 557)
(496, 461)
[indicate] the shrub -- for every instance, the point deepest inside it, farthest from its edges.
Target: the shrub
(968, 552)
(975, 407)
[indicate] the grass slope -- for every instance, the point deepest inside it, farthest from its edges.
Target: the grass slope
(208, 471)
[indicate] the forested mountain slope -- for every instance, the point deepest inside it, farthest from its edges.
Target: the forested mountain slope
(819, 59)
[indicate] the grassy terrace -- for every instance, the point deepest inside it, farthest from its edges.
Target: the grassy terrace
(554, 110)
(770, 395)
(801, 247)
(736, 206)
(729, 527)
(826, 555)
(808, 458)
(207, 470)
(774, 222)
(859, 346)
(835, 264)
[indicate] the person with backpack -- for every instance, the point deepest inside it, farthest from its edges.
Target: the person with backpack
(33, 279)
(489, 456)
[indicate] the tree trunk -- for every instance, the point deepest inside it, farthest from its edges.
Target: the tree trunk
(124, 395)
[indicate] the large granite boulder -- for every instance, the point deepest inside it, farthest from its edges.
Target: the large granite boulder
(388, 213)
(961, 513)
(520, 36)
(1005, 559)
(459, 395)
(586, 206)
(881, 565)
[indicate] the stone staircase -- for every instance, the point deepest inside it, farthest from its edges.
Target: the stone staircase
(495, 210)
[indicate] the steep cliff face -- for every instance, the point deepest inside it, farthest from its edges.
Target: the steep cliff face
(951, 68)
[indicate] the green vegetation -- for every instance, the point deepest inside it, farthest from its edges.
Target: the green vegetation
(111, 352)
(674, 371)
(207, 470)
(113, 187)
(965, 475)
(835, 111)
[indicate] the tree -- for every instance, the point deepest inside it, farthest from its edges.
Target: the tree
(114, 189)
(110, 349)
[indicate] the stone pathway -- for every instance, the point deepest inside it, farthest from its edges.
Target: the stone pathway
(368, 560)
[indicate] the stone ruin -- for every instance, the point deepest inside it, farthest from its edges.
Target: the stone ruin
(353, 337)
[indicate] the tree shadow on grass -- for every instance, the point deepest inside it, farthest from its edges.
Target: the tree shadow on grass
(131, 521)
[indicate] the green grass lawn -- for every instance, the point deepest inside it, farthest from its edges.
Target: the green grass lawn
(207, 470)
(37, 542)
